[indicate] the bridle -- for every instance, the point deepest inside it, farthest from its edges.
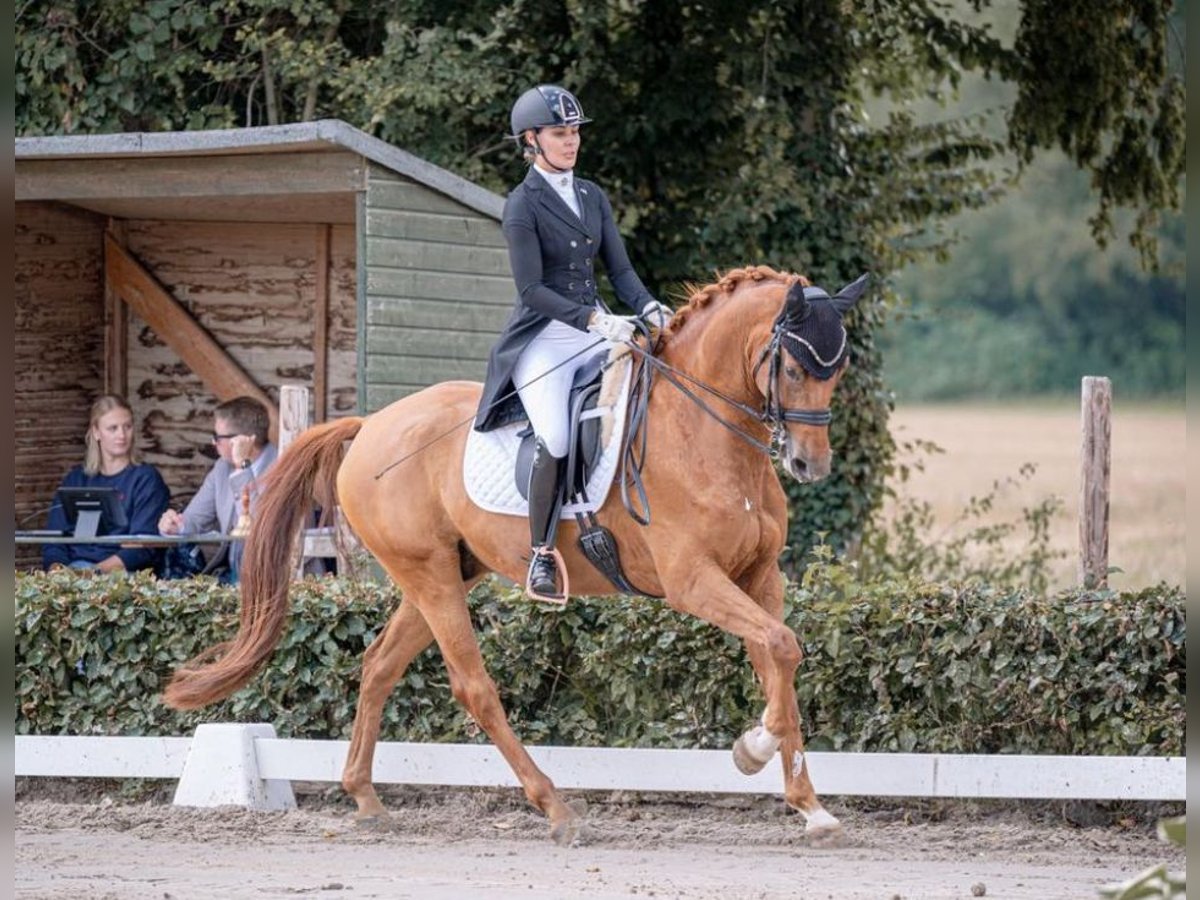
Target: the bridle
(772, 413)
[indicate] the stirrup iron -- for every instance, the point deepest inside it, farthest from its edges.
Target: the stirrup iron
(551, 556)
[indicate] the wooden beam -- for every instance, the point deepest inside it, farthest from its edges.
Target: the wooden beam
(299, 208)
(182, 333)
(321, 325)
(190, 176)
(116, 327)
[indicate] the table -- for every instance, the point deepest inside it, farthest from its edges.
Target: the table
(129, 540)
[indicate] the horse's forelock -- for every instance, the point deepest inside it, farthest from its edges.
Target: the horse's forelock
(700, 296)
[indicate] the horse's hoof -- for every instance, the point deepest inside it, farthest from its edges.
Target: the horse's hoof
(381, 821)
(746, 763)
(823, 829)
(565, 831)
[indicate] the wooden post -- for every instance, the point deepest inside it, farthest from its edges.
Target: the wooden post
(321, 324)
(293, 413)
(116, 327)
(338, 540)
(293, 420)
(1093, 495)
(346, 544)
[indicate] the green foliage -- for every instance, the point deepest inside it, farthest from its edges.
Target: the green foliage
(1096, 81)
(726, 133)
(902, 664)
(915, 665)
(1027, 305)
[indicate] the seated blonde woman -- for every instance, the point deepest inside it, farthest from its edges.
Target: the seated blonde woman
(111, 460)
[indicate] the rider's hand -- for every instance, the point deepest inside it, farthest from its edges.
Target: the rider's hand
(656, 315)
(617, 329)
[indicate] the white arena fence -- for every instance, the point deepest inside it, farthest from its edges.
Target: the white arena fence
(247, 765)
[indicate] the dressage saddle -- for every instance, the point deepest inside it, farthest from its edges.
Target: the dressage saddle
(596, 542)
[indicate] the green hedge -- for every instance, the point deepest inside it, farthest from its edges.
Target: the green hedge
(898, 665)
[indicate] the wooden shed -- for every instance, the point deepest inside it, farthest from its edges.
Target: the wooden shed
(184, 268)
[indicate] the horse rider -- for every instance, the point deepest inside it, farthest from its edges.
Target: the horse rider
(556, 225)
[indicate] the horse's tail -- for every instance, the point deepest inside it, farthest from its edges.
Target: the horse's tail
(306, 472)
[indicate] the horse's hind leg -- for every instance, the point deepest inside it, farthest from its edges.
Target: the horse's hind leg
(446, 612)
(405, 635)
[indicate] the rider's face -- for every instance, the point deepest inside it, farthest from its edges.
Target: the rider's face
(560, 145)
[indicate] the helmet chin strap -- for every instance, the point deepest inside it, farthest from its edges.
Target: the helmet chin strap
(537, 148)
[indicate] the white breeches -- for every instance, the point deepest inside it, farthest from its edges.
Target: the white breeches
(545, 398)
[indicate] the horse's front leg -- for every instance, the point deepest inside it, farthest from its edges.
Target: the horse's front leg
(704, 590)
(754, 749)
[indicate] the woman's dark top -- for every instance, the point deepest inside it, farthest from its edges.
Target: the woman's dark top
(552, 254)
(144, 496)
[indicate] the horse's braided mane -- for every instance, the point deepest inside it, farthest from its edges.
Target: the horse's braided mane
(700, 296)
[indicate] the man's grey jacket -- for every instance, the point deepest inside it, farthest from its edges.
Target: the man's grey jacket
(217, 504)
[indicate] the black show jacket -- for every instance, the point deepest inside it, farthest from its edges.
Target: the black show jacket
(552, 254)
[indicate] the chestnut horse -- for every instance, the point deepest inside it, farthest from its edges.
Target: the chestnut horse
(719, 521)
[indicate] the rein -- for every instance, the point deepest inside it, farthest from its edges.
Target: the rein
(633, 455)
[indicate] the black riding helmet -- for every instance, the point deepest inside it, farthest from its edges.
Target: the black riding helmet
(544, 106)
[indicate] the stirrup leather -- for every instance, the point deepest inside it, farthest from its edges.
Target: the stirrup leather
(542, 582)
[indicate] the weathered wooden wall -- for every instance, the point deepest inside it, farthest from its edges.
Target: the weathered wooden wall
(438, 287)
(252, 286)
(58, 363)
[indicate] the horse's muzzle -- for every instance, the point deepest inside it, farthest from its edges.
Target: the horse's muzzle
(806, 471)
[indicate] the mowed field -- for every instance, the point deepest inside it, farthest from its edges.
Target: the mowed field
(984, 443)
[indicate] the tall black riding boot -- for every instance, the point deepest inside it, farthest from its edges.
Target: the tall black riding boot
(545, 499)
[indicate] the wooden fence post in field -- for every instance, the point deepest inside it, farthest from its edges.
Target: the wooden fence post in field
(293, 413)
(1093, 493)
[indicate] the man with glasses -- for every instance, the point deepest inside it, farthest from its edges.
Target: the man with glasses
(244, 453)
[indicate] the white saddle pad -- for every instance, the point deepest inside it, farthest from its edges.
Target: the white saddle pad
(490, 459)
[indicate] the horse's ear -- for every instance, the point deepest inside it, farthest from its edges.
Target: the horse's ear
(796, 303)
(848, 296)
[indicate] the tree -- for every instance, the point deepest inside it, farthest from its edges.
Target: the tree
(727, 132)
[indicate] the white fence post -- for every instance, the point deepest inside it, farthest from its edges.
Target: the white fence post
(222, 769)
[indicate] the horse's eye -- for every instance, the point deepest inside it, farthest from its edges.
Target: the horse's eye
(792, 372)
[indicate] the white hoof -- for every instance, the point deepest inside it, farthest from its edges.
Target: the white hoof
(754, 749)
(746, 764)
(821, 823)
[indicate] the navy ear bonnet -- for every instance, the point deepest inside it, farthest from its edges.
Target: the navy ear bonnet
(810, 326)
